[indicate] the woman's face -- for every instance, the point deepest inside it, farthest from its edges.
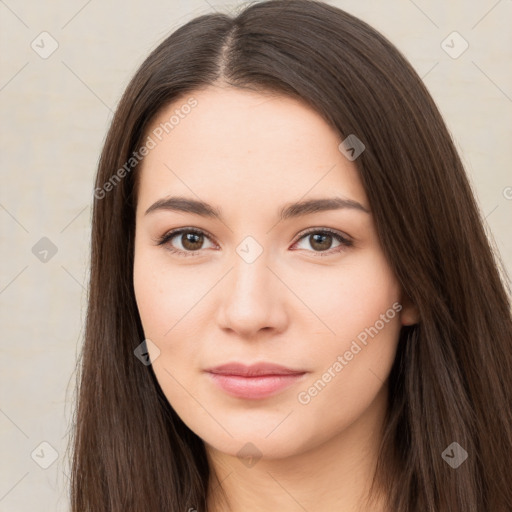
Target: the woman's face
(309, 290)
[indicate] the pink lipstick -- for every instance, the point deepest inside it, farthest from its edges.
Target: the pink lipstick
(255, 381)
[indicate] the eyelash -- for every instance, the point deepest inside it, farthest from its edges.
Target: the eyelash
(344, 242)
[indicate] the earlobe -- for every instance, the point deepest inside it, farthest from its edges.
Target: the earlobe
(409, 314)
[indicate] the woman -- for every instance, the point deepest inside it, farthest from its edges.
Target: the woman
(293, 303)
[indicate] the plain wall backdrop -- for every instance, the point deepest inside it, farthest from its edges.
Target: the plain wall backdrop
(63, 68)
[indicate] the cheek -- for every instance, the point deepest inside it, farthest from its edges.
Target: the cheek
(169, 304)
(165, 303)
(165, 298)
(352, 375)
(346, 300)
(354, 358)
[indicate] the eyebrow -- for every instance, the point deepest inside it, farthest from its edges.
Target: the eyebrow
(298, 209)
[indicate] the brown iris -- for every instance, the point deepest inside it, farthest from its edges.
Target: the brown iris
(320, 241)
(192, 241)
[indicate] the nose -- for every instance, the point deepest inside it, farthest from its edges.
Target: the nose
(253, 299)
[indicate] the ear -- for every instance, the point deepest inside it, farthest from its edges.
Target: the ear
(409, 314)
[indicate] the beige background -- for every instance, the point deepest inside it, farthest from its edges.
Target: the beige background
(55, 114)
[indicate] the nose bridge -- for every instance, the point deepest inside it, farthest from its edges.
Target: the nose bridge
(250, 274)
(250, 298)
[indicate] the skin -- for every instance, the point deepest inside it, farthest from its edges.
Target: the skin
(249, 154)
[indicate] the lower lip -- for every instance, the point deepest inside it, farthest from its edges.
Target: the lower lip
(254, 387)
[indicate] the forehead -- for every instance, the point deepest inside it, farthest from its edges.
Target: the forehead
(243, 145)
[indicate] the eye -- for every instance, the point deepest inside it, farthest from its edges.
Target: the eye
(321, 241)
(190, 241)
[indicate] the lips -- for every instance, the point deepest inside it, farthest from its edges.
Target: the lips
(255, 381)
(253, 370)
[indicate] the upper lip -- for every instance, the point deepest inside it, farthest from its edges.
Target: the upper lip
(263, 368)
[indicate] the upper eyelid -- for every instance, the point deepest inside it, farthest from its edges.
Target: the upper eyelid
(325, 230)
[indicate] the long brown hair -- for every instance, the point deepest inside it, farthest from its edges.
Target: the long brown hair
(452, 378)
